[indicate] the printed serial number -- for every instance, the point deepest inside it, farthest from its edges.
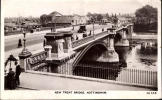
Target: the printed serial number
(151, 92)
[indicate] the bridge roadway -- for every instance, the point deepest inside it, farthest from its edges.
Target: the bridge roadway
(35, 41)
(57, 82)
(11, 42)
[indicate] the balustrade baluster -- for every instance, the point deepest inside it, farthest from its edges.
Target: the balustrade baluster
(151, 79)
(146, 77)
(155, 80)
(137, 76)
(141, 76)
(131, 75)
(104, 74)
(134, 74)
(88, 70)
(126, 76)
(101, 72)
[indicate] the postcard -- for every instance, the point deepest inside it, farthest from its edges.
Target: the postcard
(81, 49)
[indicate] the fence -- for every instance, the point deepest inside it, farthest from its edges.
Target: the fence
(124, 75)
(115, 73)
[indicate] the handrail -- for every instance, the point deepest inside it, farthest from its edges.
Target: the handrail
(87, 39)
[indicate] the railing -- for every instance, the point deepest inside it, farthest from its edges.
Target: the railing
(113, 73)
(88, 39)
(82, 41)
(92, 37)
(122, 75)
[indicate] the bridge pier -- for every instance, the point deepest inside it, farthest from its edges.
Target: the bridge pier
(61, 57)
(110, 55)
(123, 41)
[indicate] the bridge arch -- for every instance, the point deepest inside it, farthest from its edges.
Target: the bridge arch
(81, 54)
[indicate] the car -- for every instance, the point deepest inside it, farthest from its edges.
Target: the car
(82, 29)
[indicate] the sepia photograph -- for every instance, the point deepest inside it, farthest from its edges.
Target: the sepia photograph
(66, 49)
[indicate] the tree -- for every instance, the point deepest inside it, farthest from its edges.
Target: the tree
(89, 14)
(146, 19)
(99, 17)
(146, 14)
(44, 19)
(114, 19)
(107, 16)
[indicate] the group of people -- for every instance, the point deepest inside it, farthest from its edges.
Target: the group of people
(12, 78)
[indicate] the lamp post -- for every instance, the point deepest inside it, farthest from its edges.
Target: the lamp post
(93, 30)
(24, 55)
(25, 51)
(24, 40)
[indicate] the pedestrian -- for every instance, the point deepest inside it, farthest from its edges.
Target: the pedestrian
(90, 33)
(51, 29)
(11, 79)
(18, 72)
(44, 43)
(19, 43)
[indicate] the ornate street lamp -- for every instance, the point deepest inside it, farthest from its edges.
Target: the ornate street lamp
(24, 40)
(93, 29)
(25, 51)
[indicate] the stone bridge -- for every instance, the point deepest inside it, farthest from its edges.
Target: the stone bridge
(64, 50)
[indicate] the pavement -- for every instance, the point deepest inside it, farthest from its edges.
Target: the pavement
(36, 81)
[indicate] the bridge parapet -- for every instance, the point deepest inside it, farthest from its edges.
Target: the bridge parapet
(89, 39)
(37, 61)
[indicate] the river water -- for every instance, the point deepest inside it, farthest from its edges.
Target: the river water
(136, 59)
(139, 60)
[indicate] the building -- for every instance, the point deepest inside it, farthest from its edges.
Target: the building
(122, 20)
(57, 19)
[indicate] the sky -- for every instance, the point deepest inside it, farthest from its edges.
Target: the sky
(35, 8)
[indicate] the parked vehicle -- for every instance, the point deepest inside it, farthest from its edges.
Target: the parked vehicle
(82, 29)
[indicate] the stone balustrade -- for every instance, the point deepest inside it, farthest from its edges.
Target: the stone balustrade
(37, 61)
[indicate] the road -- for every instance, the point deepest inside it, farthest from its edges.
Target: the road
(11, 42)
